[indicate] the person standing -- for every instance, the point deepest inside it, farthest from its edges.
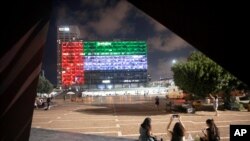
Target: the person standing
(36, 102)
(64, 97)
(48, 102)
(215, 104)
(157, 102)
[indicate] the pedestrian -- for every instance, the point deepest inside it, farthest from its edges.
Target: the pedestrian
(212, 132)
(215, 104)
(64, 97)
(178, 132)
(157, 102)
(36, 102)
(48, 102)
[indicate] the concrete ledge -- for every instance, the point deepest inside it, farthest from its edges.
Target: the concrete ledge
(52, 135)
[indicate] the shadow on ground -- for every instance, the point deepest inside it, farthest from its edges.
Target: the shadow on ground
(38, 134)
(134, 109)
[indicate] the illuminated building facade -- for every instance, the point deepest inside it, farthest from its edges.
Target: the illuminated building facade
(99, 64)
(64, 34)
(115, 64)
(72, 63)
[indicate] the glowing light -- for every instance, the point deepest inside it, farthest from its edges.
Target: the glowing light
(63, 29)
(105, 81)
(103, 43)
(173, 61)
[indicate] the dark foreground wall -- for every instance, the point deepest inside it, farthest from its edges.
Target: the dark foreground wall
(24, 36)
(218, 30)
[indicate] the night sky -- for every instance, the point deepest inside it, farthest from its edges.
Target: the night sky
(110, 20)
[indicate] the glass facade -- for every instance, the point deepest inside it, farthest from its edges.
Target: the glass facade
(119, 55)
(101, 62)
(132, 62)
(72, 63)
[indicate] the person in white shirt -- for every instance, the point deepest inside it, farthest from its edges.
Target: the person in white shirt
(215, 103)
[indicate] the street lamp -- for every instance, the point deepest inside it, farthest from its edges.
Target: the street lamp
(173, 61)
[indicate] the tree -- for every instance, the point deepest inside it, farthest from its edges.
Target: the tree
(201, 76)
(40, 85)
(44, 85)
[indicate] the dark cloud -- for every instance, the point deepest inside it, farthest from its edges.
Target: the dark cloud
(157, 26)
(167, 43)
(93, 3)
(103, 18)
(63, 15)
(161, 68)
(111, 19)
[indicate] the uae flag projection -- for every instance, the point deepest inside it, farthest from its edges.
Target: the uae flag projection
(95, 62)
(116, 55)
(72, 63)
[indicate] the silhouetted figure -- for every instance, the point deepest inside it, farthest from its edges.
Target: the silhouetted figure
(145, 131)
(212, 132)
(215, 103)
(157, 102)
(64, 97)
(178, 132)
(48, 102)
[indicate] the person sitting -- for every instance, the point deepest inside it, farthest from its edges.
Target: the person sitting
(212, 132)
(145, 131)
(178, 132)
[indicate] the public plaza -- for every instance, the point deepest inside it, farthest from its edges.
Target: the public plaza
(115, 118)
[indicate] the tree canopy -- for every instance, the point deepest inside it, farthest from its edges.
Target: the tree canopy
(44, 85)
(200, 76)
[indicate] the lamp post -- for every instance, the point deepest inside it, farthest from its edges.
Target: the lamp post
(173, 61)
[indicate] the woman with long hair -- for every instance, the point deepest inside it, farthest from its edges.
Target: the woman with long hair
(145, 130)
(213, 133)
(178, 132)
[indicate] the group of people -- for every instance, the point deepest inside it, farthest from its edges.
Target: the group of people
(178, 131)
(39, 102)
(214, 98)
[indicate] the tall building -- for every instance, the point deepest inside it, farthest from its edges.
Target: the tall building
(64, 34)
(99, 64)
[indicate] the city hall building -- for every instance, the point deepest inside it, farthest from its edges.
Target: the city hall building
(101, 64)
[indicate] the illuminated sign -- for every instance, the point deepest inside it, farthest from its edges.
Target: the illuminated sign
(103, 43)
(63, 28)
(105, 81)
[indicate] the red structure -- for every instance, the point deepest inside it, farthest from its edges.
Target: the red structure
(72, 63)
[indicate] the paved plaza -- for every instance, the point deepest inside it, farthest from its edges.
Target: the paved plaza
(119, 118)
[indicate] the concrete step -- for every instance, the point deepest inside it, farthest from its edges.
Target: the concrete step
(38, 134)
